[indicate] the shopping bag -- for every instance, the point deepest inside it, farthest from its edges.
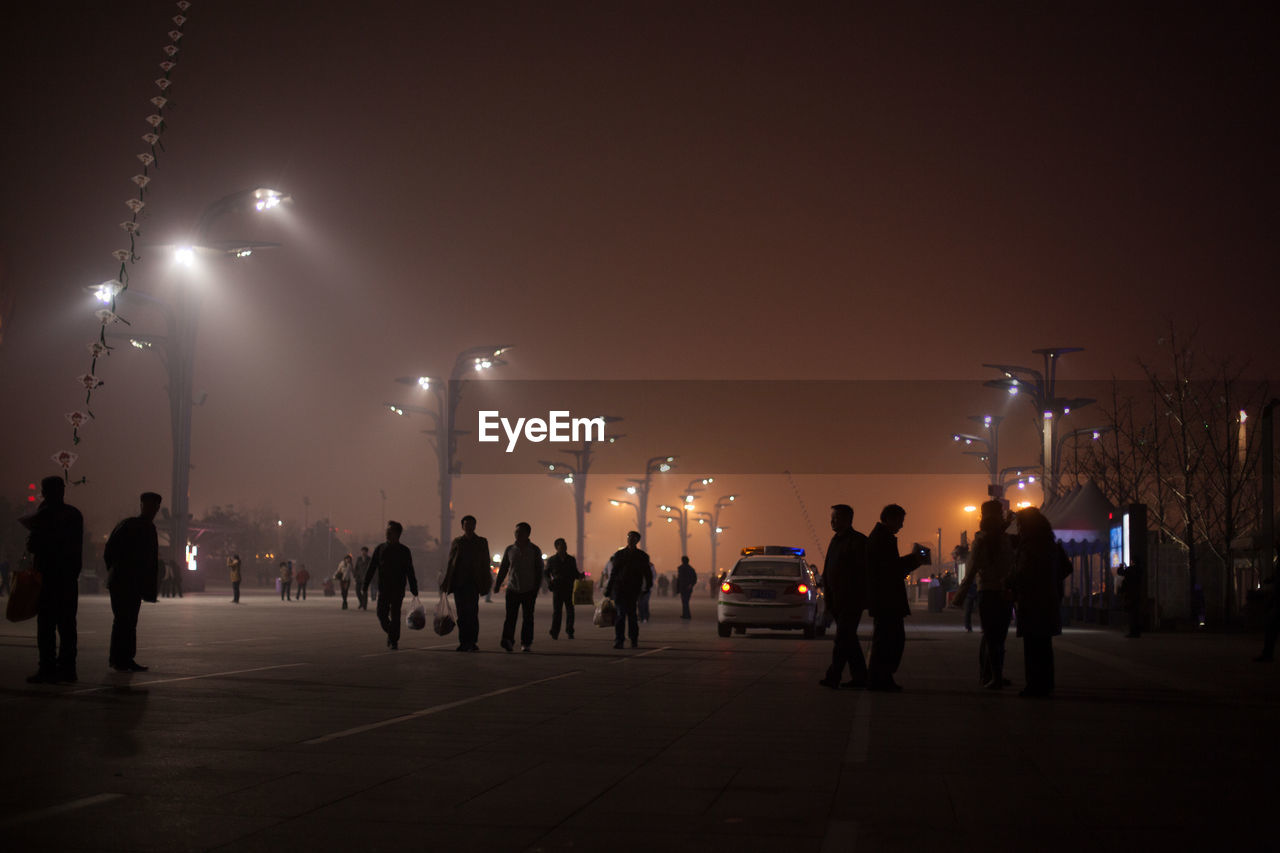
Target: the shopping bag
(417, 618)
(442, 623)
(606, 614)
(24, 596)
(584, 591)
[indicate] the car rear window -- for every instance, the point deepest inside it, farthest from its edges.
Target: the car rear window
(767, 569)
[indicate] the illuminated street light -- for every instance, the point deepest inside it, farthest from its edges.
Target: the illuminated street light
(990, 454)
(639, 488)
(575, 475)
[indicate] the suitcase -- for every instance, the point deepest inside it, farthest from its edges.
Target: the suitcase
(584, 591)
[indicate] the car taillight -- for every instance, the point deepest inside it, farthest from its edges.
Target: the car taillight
(801, 588)
(730, 587)
(797, 589)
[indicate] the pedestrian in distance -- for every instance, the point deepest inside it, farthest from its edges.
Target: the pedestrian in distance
(991, 568)
(1040, 567)
(562, 573)
(233, 568)
(629, 579)
(56, 543)
(664, 584)
(1134, 595)
(132, 556)
(466, 578)
(362, 569)
(522, 563)
(887, 597)
(286, 580)
(166, 579)
(844, 586)
(392, 566)
(686, 583)
(302, 576)
(343, 577)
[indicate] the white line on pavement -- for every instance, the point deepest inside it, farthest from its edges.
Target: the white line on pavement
(59, 809)
(186, 678)
(420, 649)
(642, 654)
(434, 709)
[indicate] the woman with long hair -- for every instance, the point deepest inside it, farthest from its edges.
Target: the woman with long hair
(990, 570)
(1040, 565)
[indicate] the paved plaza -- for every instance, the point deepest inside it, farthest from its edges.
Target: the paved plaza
(268, 726)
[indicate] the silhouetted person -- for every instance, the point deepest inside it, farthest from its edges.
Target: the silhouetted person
(1134, 596)
(467, 577)
(56, 543)
(1040, 565)
(630, 577)
(989, 573)
(392, 565)
(233, 568)
(686, 583)
(132, 556)
(887, 597)
(302, 576)
(522, 563)
(562, 573)
(663, 585)
(844, 585)
(286, 580)
(346, 569)
(362, 569)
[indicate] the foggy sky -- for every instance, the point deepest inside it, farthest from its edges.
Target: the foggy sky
(620, 191)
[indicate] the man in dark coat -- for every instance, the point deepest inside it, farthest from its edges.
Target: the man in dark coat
(844, 584)
(686, 583)
(133, 566)
(392, 563)
(562, 573)
(56, 544)
(630, 577)
(467, 577)
(887, 597)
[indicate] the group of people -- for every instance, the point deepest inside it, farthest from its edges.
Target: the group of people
(1025, 570)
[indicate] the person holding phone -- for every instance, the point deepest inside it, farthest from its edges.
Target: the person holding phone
(887, 596)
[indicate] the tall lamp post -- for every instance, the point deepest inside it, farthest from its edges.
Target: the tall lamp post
(713, 519)
(444, 434)
(1094, 433)
(680, 514)
(178, 345)
(575, 476)
(989, 447)
(640, 488)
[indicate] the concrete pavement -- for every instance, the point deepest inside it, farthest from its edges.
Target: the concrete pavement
(268, 726)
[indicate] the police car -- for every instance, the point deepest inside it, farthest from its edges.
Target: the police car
(771, 587)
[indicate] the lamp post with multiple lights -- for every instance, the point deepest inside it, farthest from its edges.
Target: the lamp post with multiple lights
(444, 434)
(989, 447)
(575, 476)
(713, 519)
(639, 487)
(680, 514)
(178, 345)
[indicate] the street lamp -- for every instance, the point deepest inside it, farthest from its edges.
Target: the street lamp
(640, 489)
(444, 434)
(575, 475)
(680, 514)
(1094, 433)
(989, 452)
(713, 519)
(178, 345)
(621, 502)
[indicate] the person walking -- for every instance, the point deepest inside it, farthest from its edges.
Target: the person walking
(991, 567)
(523, 562)
(562, 573)
(887, 597)
(343, 576)
(627, 580)
(233, 567)
(362, 569)
(302, 576)
(392, 565)
(286, 580)
(1040, 566)
(466, 578)
(132, 556)
(844, 585)
(686, 583)
(56, 543)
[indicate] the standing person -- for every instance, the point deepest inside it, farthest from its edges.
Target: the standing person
(562, 573)
(686, 583)
(392, 565)
(887, 597)
(56, 543)
(844, 584)
(343, 576)
(302, 576)
(286, 580)
(523, 561)
(627, 581)
(1131, 590)
(166, 579)
(1040, 565)
(466, 578)
(362, 569)
(991, 568)
(664, 584)
(132, 556)
(233, 566)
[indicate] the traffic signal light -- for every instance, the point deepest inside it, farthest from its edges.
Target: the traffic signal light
(31, 493)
